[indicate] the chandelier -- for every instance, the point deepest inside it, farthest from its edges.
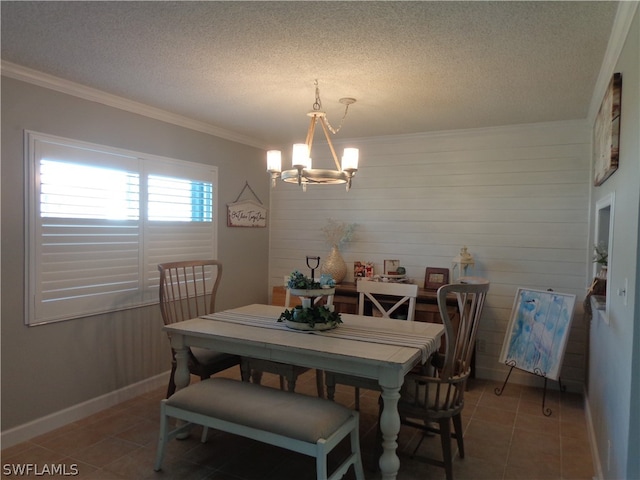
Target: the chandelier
(302, 173)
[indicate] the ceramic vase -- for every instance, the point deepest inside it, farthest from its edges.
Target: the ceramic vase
(334, 265)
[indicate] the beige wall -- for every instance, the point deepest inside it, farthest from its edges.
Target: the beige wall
(49, 368)
(614, 363)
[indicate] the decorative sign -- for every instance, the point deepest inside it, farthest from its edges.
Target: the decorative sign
(246, 213)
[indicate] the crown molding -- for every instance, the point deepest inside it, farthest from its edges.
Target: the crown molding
(576, 125)
(619, 32)
(51, 82)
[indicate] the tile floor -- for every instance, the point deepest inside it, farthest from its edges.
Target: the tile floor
(506, 437)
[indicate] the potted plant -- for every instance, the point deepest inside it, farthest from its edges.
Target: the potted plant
(601, 257)
(303, 286)
(309, 316)
(315, 317)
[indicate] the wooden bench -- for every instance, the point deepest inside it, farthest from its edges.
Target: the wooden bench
(301, 423)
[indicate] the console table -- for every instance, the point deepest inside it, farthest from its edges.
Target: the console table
(346, 301)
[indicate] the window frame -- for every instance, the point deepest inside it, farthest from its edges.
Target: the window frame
(203, 234)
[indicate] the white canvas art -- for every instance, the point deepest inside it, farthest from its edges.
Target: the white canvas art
(538, 330)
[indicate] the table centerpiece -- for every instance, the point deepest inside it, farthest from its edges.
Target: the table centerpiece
(309, 316)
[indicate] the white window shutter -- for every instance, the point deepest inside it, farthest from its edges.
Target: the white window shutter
(91, 245)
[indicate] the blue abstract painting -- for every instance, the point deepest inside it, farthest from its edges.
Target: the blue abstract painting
(538, 330)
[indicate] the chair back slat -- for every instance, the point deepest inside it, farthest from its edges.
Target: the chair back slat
(459, 348)
(405, 294)
(188, 289)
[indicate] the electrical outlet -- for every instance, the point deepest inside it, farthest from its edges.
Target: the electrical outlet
(622, 292)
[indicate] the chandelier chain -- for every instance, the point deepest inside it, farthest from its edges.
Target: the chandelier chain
(317, 106)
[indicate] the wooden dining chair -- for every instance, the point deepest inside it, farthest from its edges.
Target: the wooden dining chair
(380, 295)
(188, 290)
(386, 299)
(254, 367)
(438, 398)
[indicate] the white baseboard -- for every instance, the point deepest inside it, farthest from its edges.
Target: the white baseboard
(597, 465)
(32, 429)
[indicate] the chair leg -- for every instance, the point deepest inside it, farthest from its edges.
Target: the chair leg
(457, 428)
(256, 376)
(445, 439)
(291, 382)
(355, 449)
(320, 383)
(162, 440)
(171, 389)
(331, 387)
(377, 448)
(357, 390)
(321, 465)
(245, 372)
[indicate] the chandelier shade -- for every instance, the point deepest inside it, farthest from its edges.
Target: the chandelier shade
(302, 172)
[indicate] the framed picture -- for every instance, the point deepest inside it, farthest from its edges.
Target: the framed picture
(538, 330)
(435, 278)
(362, 270)
(606, 132)
(391, 267)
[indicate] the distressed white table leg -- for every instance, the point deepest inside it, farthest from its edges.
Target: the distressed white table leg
(390, 427)
(182, 377)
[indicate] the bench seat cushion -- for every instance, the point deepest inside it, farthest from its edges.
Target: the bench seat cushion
(289, 414)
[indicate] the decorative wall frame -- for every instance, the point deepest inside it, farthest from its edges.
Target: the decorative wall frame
(362, 270)
(538, 330)
(246, 213)
(606, 132)
(434, 278)
(391, 267)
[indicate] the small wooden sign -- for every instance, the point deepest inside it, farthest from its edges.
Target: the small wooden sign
(246, 213)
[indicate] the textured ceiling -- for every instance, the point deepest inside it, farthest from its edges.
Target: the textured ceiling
(249, 67)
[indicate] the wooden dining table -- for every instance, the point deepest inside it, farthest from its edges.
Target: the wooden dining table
(369, 347)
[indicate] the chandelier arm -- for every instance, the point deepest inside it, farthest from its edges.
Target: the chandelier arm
(333, 152)
(311, 132)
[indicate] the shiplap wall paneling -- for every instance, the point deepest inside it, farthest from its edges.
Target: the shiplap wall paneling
(517, 197)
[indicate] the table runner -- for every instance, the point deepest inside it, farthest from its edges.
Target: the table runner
(348, 332)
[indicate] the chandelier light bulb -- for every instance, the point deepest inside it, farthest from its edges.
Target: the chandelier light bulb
(350, 159)
(274, 161)
(300, 158)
